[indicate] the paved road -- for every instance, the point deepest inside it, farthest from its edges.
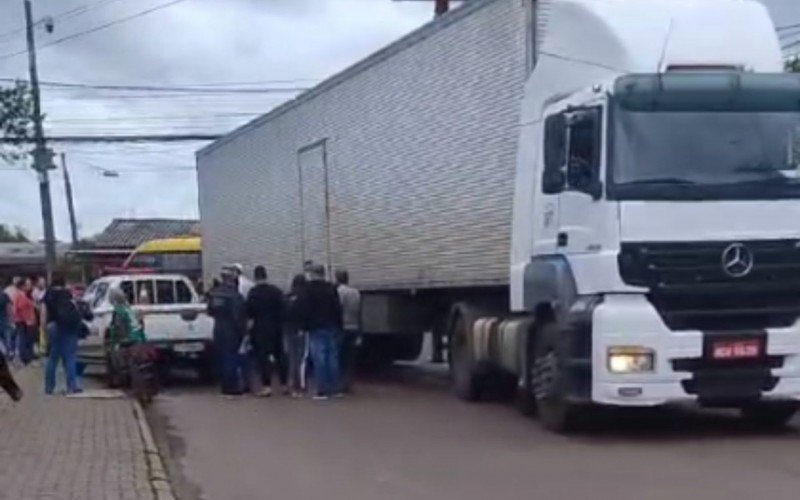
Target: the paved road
(406, 437)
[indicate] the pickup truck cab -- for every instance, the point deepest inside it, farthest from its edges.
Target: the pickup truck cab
(174, 316)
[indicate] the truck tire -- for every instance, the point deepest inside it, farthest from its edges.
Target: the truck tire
(548, 380)
(769, 415)
(526, 401)
(466, 379)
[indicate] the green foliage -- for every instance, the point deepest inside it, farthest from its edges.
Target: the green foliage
(12, 235)
(792, 65)
(16, 119)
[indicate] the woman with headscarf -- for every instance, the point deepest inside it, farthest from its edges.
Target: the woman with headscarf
(126, 338)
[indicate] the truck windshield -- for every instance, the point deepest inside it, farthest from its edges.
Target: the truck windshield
(707, 154)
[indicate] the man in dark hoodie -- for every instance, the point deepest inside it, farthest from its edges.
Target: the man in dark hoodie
(321, 315)
(227, 307)
(265, 309)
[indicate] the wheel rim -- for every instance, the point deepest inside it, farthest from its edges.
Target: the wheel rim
(543, 376)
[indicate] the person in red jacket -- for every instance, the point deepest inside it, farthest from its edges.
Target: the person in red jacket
(25, 316)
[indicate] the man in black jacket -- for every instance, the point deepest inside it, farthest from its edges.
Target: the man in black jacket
(321, 315)
(227, 307)
(265, 309)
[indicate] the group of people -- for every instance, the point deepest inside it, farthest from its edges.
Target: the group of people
(315, 325)
(21, 303)
(41, 320)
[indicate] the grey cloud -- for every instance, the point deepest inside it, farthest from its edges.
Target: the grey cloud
(195, 41)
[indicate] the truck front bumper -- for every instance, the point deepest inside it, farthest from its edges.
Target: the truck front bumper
(682, 372)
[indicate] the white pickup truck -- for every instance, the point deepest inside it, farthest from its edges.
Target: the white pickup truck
(174, 316)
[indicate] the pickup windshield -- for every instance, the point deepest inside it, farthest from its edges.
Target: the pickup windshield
(716, 155)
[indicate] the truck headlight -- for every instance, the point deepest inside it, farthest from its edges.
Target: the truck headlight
(631, 359)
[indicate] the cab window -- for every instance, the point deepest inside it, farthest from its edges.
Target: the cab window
(127, 289)
(145, 294)
(184, 294)
(165, 292)
(572, 151)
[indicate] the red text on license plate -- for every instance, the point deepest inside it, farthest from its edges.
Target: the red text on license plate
(736, 349)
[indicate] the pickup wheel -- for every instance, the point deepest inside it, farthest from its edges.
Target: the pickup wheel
(113, 376)
(206, 369)
(467, 381)
(548, 380)
(769, 415)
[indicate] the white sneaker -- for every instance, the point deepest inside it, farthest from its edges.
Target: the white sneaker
(319, 397)
(265, 392)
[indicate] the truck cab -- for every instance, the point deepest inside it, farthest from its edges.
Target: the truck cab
(655, 246)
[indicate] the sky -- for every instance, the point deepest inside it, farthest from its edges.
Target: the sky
(266, 44)
(273, 45)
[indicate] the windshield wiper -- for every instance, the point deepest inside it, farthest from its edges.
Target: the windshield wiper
(660, 181)
(778, 180)
(758, 167)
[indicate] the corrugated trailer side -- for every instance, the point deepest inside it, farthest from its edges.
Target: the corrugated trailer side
(406, 159)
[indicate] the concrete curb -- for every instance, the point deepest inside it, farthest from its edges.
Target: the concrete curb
(158, 474)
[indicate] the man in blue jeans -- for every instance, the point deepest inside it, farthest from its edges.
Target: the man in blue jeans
(59, 314)
(321, 315)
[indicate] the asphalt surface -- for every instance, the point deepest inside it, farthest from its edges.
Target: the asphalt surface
(402, 435)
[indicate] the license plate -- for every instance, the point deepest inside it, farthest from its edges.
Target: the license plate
(736, 349)
(189, 347)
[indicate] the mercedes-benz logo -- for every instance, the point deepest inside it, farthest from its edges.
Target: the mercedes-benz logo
(737, 260)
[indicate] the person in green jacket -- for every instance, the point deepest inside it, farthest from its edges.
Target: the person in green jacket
(126, 327)
(127, 347)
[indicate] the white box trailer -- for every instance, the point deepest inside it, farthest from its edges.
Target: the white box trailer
(612, 225)
(400, 168)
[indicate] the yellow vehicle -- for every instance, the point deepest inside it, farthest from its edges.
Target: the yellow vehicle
(170, 255)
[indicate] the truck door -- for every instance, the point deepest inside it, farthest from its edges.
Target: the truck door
(314, 208)
(582, 217)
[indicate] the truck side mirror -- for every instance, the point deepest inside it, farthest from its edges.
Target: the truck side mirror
(554, 181)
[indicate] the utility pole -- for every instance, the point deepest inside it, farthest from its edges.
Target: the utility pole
(42, 157)
(73, 225)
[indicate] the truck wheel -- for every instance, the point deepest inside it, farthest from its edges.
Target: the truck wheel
(466, 381)
(548, 381)
(769, 415)
(526, 401)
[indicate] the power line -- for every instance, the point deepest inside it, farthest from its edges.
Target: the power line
(165, 88)
(790, 45)
(98, 28)
(120, 138)
(76, 11)
(787, 27)
(148, 118)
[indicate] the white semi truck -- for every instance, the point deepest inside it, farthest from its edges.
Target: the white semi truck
(638, 160)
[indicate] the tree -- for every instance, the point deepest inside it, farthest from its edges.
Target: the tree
(792, 64)
(13, 235)
(16, 119)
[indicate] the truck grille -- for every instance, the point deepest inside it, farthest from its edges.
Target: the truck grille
(691, 290)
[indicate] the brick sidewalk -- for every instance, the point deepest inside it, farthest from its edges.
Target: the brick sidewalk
(62, 448)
